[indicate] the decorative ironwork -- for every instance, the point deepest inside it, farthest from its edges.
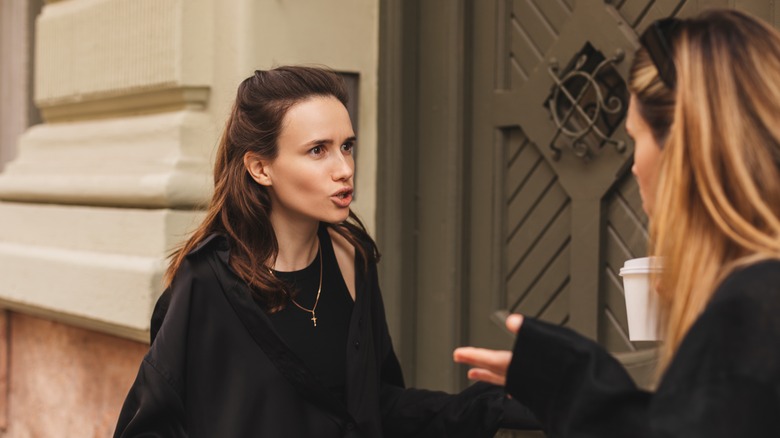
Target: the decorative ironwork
(587, 102)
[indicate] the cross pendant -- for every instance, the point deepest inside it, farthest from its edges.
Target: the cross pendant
(314, 319)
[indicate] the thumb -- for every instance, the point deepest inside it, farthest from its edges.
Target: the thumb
(513, 322)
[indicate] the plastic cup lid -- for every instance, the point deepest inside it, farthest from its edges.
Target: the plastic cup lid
(641, 265)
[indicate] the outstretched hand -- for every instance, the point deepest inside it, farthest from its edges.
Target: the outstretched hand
(489, 365)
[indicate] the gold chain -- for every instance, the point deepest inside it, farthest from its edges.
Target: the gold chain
(319, 290)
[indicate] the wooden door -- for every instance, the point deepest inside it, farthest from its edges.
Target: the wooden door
(554, 208)
(504, 171)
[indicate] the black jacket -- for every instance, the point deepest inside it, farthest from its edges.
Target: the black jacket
(217, 368)
(724, 380)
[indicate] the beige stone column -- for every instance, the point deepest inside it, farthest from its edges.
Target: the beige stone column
(103, 188)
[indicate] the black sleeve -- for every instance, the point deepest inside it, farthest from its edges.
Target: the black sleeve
(158, 314)
(722, 383)
(152, 408)
(477, 411)
(574, 386)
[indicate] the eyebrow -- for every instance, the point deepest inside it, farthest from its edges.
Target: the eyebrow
(329, 141)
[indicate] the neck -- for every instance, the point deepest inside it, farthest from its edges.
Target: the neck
(297, 241)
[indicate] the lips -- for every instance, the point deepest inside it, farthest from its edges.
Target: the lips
(343, 197)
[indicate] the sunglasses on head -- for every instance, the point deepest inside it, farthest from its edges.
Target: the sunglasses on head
(658, 40)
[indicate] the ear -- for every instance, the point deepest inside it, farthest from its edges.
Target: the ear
(258, 169)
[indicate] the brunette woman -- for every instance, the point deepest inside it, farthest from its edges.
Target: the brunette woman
(272, 324)
(705, 102)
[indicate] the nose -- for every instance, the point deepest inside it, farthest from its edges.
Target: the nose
(343, 168)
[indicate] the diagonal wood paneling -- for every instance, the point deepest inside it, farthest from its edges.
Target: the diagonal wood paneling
(626, 238)
(531, 27)
(640, 12)
(537, 220)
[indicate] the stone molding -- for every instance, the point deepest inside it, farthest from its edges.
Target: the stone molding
(159, 160)
(126, 105)
(94, 267)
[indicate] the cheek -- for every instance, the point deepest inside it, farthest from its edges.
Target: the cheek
(301, 184)
(643, 160)
(646, 162)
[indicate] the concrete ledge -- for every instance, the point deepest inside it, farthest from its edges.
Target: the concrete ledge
(121, 231)
(123, 105)
(160, 160)
(92, 267)
(85, 288)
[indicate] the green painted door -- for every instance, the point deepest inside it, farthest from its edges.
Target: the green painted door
(504, 179)
(553, 209)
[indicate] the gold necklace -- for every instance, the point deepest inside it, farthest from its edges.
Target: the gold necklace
(319, 290)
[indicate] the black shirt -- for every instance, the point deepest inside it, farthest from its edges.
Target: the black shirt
(322, 348)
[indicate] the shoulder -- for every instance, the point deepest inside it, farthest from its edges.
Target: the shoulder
(756, 285)
(738, 332)
(198, 261)
(199, 274)
(747, 302)
(760, 272)
(341, 246)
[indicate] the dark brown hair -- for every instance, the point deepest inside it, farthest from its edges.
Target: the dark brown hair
(654, 99)
(240, 207)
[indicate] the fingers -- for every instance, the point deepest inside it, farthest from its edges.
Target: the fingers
(486, 376)
(513, 322)
(489, 365)
(494, 361)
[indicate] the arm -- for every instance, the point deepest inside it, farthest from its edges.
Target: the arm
(477, 411)
(573, 386)
(723, 382)
(153, 406)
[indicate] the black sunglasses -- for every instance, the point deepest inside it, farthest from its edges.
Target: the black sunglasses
(658, 39)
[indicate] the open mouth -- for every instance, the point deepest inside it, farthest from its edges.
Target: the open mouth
(344, 193)
(343, 197)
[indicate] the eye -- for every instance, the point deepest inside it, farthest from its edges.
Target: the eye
(348, 147)
(317, 150)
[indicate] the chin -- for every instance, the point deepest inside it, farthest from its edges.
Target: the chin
(336, 218)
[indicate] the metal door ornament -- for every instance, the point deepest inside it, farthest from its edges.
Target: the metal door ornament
(584, 79)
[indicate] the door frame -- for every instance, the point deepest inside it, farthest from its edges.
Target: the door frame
(421, 214)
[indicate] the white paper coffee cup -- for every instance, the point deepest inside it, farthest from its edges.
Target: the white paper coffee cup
(641, 299)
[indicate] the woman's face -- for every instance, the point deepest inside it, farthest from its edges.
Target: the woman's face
(647, 155)
(311, 177)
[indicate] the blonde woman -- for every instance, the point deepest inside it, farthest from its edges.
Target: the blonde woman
(705, 103)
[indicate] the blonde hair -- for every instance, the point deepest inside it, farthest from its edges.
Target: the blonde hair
(718, 196)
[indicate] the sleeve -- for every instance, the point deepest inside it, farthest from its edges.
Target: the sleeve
(575, 388)
(154, 406)
(477, 411)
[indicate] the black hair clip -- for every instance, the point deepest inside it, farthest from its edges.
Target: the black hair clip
(658, 40)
